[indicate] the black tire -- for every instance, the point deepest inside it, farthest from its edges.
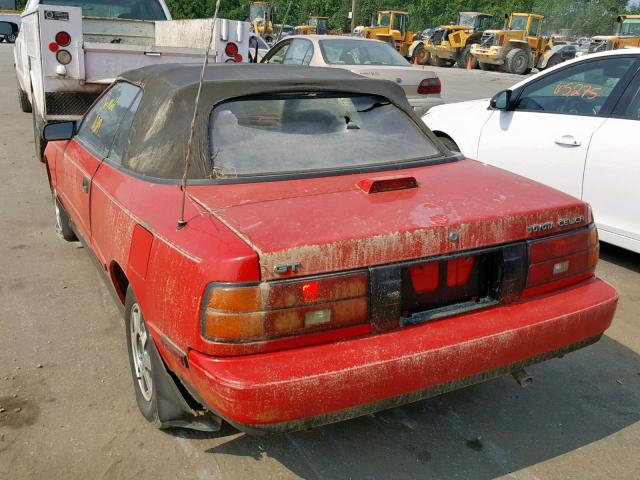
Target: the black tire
(450, 144)
(63, 224)
(443, 62)
(144, 386)
(40, 143)
(158, 397)
(463, 58)
(420, 56)
(517, 61)
(487, 67)
(23, 101)
(11, 38)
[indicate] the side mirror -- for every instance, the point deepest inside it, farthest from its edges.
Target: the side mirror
(6, 28)
(59, 131)
(501, 100)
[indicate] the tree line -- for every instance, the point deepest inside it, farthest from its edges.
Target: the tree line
(584, 17)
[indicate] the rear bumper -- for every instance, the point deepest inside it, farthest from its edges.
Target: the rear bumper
(300, 388)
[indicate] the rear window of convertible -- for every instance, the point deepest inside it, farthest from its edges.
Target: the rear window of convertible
(302, 134)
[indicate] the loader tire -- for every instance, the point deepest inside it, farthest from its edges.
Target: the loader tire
(517, 61)
(23, 101)
(463, 58)
(443, 62)
(420, 56)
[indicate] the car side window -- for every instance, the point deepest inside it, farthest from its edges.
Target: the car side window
(122, 136)
(581, 89)
(299, 53)
(632, 109)
(100, 125)
(279, 55)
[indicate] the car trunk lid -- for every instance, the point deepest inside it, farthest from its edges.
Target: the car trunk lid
(322, 225)
(409, 77)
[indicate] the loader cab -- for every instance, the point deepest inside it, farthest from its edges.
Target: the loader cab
(395, 20)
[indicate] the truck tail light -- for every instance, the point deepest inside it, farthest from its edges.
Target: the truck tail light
(430, 86)
(63, 39)
(269, 311)
(562, 260)
(231, 50)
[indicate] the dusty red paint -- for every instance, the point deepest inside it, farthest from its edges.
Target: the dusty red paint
(346, 228)
(286, 386)
(239, 233)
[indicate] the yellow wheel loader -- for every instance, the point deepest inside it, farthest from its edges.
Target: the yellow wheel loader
(627, 36)
(450, 45)
(315, 26)
(392, 27)
(261, 18)
(517, 48)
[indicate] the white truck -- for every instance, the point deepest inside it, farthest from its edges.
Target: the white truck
(69, 51)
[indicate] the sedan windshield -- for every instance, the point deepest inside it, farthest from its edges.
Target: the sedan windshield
(360, 52)
(311, 133)
(126, 9)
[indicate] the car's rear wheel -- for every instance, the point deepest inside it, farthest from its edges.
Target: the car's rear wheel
(23, 101)
(63, 224)
(139, 346)
(450, 144)
(40, 143)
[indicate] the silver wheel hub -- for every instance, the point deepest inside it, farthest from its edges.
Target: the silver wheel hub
(140, 350)
(58, 216)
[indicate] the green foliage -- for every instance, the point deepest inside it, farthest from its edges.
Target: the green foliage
(584, 17)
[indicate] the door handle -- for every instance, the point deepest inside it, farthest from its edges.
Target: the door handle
(568, 141)
(86, 182)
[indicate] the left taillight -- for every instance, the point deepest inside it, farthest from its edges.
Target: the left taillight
(429, 86)
(268, 311)
(562, 260)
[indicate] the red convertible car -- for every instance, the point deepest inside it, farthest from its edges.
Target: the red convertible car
(334, 260)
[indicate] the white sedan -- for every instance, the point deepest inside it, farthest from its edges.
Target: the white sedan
(370, 58)
(574, 127)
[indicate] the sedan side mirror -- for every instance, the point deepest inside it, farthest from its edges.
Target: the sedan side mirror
(501, 100)
(59, 131)
(6, 29)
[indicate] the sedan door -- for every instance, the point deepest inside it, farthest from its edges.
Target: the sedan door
(612, 173)
(546, 134)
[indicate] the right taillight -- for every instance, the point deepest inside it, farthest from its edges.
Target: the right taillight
(430, 86)
(267, 311)
(562, 260)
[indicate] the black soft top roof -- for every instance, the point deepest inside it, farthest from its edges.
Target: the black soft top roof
(158, 140)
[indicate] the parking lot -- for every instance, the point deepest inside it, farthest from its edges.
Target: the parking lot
(67, 408)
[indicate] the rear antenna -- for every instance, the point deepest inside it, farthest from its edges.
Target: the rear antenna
(187, 160)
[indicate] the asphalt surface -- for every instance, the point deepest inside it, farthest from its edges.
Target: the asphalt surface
(67, 409)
